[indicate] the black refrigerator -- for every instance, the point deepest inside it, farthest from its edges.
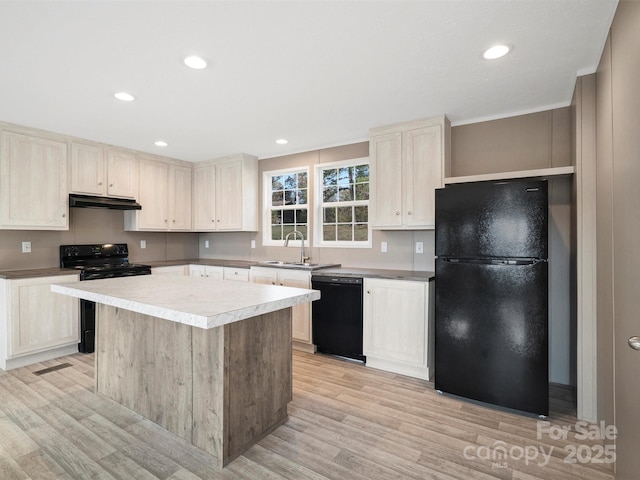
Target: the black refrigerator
(491, 294)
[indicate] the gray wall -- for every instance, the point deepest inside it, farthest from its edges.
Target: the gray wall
(91, 226)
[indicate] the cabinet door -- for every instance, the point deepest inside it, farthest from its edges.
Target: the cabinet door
(386, 179)
(266, 276)
(422, 167)
(300, 314)
(122, 174)
(88, 168)
(236, 274)
(197, 271)
(229, 196)
(204, 198)
(33, 183)
(395, 321)
(179, 198)
(177, 270)
(41, 319)
(153, 195)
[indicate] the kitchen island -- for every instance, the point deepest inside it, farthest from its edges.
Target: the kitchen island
(209, 361)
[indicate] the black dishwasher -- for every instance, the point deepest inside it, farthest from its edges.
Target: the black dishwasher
(337, 316)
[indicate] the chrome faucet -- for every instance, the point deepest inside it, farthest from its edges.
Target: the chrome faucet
(296, 233)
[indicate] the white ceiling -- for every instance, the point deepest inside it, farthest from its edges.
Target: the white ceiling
(319, 73)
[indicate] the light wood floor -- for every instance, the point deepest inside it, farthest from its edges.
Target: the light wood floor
(346, 422)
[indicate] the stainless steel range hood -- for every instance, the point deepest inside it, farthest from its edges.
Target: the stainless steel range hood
(88, 201)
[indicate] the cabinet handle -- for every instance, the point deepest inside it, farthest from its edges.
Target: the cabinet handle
(410, 213)
(111, 184)
(397, 213)
(165, 220)
(173, 221)
(273, 283)
(64, 215)
(368, 292)
(100, 184)
(213, 220)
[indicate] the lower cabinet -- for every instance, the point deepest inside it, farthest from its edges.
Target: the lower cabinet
(301, 314)
(397, 332)
(206, 271)
(178, 270)
(235, 274)
(37, 324)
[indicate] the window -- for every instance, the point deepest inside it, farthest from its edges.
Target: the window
(286, 199)
(342, 201)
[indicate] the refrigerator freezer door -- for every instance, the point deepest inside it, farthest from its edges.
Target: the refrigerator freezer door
(492, 220)
(491, 334)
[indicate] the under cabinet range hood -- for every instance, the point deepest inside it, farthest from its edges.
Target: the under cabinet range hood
(88, 201)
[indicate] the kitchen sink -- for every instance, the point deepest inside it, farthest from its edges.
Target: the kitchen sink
(297, 265)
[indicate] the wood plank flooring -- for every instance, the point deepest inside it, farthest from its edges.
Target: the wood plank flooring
(346, 421)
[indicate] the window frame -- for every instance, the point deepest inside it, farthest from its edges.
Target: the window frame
(267, 208)
(319, 204)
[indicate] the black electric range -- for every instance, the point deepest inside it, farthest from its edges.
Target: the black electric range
(96, 261)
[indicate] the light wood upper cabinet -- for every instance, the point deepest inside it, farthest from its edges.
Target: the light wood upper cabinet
(88, 169)
(33, 182)
(396, 326)
(165, 196)
(122, 173)
(407, 162)
(225, 194)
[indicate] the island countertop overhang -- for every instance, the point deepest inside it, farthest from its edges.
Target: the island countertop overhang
(194, 301)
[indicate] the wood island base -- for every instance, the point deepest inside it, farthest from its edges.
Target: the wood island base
(221, 389)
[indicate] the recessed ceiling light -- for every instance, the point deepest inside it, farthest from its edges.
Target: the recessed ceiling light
(282, 141)
(195, 62)
(160, 143)
(124, 96)
(496, 51)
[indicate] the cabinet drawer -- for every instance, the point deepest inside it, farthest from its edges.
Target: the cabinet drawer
(236, 274)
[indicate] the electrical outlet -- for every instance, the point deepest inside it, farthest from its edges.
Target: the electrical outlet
(383, 247)
(143, 244)
(253, 244)
(419, 247)
(206, 244)
(26, 247)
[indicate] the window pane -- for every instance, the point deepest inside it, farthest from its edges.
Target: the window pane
(277, 182)
(303, 229)
(345, 214)
(291, 181)
(301, 216)
(287, 229)
(302, 180)
(362, 214)
(329, 233)
(276, 232)
(330, 215)
(290, 197)
(329, 177)
(345, 176)
(362, 191)
(345, 194)
(330, 194)
(362, 173)
(360, 232)
(276, 217)
(302, 197)
(277, 198)
(288, 217)
(345, 232)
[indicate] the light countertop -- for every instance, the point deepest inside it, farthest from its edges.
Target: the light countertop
(194, 301)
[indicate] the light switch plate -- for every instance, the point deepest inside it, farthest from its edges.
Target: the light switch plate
(26, 247)
(419, 247)
(143, 244)
(253, 244)
(383, 247)
(206, 244)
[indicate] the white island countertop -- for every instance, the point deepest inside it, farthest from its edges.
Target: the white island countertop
(194, 301)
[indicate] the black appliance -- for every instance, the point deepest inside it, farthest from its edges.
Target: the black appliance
(337, 316)
(111, 203)
(97, 261)
(491, 300)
